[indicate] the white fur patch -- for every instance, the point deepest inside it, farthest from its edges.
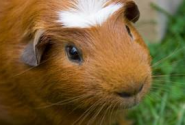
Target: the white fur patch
(88, 13)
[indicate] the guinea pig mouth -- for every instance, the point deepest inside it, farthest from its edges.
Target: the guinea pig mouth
(128, 100)
(129, 103)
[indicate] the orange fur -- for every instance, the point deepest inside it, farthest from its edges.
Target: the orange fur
(112, 63)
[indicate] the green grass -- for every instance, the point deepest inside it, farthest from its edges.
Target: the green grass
(165, 105)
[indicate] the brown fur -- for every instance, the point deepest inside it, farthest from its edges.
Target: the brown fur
(43, 95)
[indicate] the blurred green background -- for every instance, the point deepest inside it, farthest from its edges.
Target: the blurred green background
(165, 104)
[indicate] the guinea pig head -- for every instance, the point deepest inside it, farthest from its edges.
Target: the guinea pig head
(96, 56)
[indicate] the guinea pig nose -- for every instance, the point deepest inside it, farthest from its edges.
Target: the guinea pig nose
(128, 94)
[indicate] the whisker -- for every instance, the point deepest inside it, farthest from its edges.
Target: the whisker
(164, 59)
(86, 113)
(29, 69)
(74, 109)
(175, 84)
(171, 75)
(63, 102)
(155, 96)
(163, 89)
(109, 113)
(104, 114)
(112, 111)
(96, 115)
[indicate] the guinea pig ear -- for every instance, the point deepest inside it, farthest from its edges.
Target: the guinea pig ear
(34, 50)
(131, 11)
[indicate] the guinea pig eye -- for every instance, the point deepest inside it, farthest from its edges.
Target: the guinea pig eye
(73, 54)
(129, 32)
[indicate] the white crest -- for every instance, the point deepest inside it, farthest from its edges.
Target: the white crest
(88, 13)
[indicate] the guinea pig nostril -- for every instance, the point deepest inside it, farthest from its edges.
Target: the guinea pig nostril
(130, 94)
(124, 95)
(141, 88)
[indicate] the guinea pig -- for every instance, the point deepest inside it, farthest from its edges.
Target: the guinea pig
(70, 62)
